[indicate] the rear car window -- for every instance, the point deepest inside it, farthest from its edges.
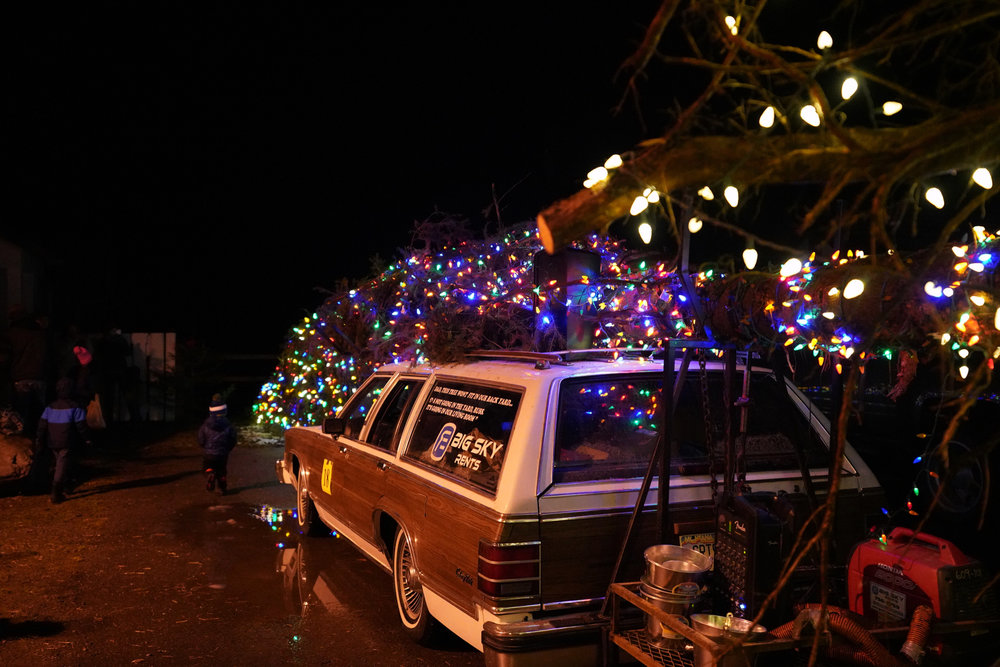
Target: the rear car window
(463, 431)
(607, 427)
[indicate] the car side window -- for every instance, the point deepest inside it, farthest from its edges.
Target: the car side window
(607, 428)
(388, 423)
(356, 411)
(463, 431)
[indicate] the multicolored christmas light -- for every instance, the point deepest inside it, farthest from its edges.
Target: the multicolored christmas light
(433, 305)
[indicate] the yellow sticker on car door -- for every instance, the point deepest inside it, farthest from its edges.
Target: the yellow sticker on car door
(327, 475)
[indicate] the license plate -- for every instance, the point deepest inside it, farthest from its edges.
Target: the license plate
(703, 542)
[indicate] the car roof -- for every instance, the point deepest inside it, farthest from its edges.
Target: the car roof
(533, 367)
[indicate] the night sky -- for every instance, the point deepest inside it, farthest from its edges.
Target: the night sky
(204, 167)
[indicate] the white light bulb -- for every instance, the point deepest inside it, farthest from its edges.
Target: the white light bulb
(597, 174)
(854, 288)
(639, 205)
(983, 178)
(732, 195)
(646, 232)
(706, 193)
(935, 197)
(750, 258)
(978, 299)
(694, 225)
(613, 162)
(825, 40)
(891, 108)
(653, 196)
(964, 372)
(809, 114)
(791, 267)
(933, 289)
(767, 117)
(849, 87)
(731, 24)
(996, 319)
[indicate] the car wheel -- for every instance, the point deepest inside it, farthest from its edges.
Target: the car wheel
(409, 593)
(309, 521)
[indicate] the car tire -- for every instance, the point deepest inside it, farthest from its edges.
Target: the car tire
(309, 521)
(410, 603)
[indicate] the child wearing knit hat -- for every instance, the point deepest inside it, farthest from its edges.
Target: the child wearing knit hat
(217, 438)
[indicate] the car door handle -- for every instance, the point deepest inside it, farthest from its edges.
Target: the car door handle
(382, 465)
(343, 449)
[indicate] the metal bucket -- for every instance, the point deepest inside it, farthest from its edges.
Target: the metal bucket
(677, 603)
(668, 565)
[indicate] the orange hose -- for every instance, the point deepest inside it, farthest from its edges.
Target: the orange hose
(866, 649)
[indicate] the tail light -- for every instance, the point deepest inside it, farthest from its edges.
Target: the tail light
(509, 570)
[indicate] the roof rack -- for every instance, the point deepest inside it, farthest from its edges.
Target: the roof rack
(542, 360)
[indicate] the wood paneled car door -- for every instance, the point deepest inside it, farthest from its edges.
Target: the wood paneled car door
(364, 460)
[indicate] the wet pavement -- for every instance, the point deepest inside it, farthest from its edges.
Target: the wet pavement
(143, 566)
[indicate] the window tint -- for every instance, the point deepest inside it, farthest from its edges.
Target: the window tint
(607, 427)
(387, 424)
(463, 431)
(360, 405)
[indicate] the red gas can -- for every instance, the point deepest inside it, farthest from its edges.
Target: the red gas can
(886, 582)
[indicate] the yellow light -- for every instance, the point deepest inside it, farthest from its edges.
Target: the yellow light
(959, 250)
(694, 225)
(731, 23)
(980, 233)
(791, 267)
(613, 162)
(651, 195)
(978, 299)
(891, 108)
(833, 291)
(597, 174)
(849, 87)
(824, 41)
(639, 205)
(983, 178)
(706, 193)
(646, 232)
(854, 288)
(935, 197)
(732, 195)
(750, 258)
(767, 117)
(809, 114)
(945, 338)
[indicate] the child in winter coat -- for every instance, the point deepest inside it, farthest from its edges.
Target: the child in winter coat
(217, 438)
(62, 428)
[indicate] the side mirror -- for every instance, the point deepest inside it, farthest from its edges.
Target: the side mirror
(334, 426)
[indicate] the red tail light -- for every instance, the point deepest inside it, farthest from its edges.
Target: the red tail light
(509, 570)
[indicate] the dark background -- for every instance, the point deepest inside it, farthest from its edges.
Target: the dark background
(209, 167)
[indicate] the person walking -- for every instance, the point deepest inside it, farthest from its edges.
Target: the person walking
(217, 438)
(62, 428)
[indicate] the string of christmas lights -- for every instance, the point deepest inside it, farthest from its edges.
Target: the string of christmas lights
(432, 306)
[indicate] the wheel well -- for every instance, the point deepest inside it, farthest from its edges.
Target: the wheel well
(387, 527)
(295, 466)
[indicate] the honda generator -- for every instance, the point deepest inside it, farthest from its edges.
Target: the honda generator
(887, 581)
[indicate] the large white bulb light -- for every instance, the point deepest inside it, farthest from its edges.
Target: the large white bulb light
(983, 178)
(646, 232)
(810, 115)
